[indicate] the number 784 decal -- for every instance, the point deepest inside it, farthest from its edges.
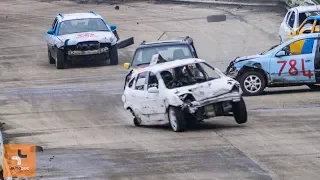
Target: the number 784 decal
(293, 71)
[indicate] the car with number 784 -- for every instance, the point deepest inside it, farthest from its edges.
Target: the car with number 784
(279, 66)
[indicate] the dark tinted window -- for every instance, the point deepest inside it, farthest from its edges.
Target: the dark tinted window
(82, 25)
(143, 56)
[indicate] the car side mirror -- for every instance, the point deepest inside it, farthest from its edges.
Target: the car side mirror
(51, 32)
(153, 90)
(281, 53)
(113, 27)
(126, 65)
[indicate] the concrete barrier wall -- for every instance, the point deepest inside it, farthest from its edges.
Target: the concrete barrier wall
(293, 3)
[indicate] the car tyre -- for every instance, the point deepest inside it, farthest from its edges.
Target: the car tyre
(60, 59)
(137, 121)
(114, 55)
(313, 86)
(252, 83)
(240, 111)
(51, 60)
(176, 119)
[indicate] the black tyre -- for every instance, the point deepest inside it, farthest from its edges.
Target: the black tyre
(176, 119)
(50, 59)
(60, 61)
(313, 86)
(240, 111)
(137, 121)
(252, 83)
(114, 55)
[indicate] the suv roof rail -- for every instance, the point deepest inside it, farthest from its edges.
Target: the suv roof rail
(60, 14)
(186, 38)
(93, 12)
(143, 42)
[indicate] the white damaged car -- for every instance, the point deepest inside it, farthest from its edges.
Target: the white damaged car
(182, 92)
(76, 37)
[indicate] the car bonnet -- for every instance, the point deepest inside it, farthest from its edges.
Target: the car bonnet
(206, 90)
(101, 36)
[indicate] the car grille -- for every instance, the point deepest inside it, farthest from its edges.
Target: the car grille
(88, 45)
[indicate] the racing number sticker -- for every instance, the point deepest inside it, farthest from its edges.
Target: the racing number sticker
(86, 35)
(293, 71)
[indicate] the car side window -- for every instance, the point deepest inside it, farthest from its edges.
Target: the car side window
(287, 16)
(54, 23)
(303, 46)
(292, 19)
(153, 80)
(131, 83)
(317, 27)
(55, 27)
(306, 28)
(140, 81)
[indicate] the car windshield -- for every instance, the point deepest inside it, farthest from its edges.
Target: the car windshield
(269, 49)
(188, 75)
(143, 56)
(82, 25)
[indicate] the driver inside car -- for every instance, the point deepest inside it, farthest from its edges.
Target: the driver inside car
(169, 80)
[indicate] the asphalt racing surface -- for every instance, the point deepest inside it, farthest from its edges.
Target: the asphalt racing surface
(77, 115)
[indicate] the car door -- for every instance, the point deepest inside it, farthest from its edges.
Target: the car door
(317, 63)
(154, 103)
(139, 94)
(284, 26)
(296, 66)
(51, 37)
(291, 24)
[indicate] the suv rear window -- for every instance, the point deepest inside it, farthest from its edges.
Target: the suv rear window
(143, 56)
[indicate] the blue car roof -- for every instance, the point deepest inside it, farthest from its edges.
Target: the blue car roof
(316, 17)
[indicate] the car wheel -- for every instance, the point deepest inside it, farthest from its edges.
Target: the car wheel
(313, 86)
(137, 121)
(60, 59)
(240, 111)
(252, 83)
(51, 60)
(114, 55)
(176, 119)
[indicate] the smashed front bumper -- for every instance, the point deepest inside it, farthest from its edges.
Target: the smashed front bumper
(231, 71)
(88, 52)
(193, 106)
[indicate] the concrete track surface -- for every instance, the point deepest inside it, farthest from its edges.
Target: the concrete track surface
(77, 115)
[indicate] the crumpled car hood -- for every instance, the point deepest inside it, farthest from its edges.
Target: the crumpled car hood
(244, 58)
(101, 36)
(209, 89)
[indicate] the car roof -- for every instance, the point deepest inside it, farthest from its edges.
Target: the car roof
(307, 8)
(176, 41)
(316, 17)
(72, 16)
(310, 35)
(170, 64)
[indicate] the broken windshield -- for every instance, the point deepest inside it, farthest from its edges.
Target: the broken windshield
(82, 25)
(188, 75)
(143, 56)
(269, 49)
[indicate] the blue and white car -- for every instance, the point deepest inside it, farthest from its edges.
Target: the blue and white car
(278, 67)
(82, 37)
